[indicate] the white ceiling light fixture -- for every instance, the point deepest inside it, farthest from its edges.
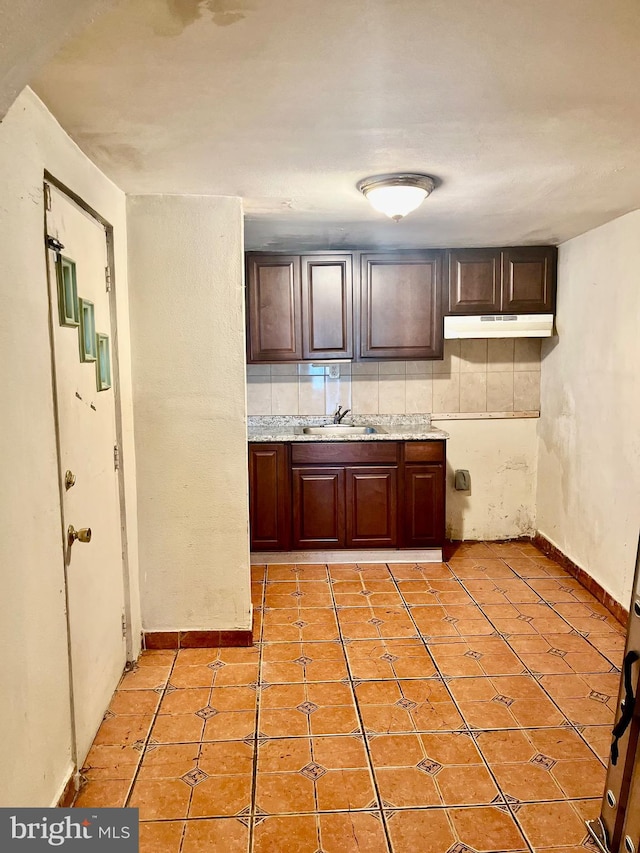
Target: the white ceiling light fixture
(396, 195)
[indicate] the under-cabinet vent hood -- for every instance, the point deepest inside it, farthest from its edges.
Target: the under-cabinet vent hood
(499, 326)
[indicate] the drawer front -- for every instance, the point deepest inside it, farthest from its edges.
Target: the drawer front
(424, 451)
(345, 453)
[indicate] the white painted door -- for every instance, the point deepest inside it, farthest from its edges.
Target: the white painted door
(87, 435)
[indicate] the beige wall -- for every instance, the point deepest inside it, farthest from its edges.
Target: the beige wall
(187, 309)
(589, 440)
(501, 458)
(34, 712)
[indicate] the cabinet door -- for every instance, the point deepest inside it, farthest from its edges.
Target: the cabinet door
(273, 291)
(269, 497)
(423, 506)
(371, 507)
(529, 280)
(318, 507)
(327, 306)
(401, 305)
(473, 277)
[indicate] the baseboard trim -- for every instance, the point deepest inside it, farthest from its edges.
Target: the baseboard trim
(553, 552)
(372, 555)
(156, 640)
(68, 791)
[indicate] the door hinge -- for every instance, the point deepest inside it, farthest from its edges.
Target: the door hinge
(107, 278)
(54, 243)
(47, 197)
(116, 457)
(124, 624)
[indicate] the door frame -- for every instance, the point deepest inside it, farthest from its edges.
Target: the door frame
(76, 200)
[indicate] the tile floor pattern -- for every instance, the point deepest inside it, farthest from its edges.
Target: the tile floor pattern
(442, 708)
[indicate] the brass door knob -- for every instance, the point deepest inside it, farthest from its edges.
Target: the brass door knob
(82, 535)
(69, 480)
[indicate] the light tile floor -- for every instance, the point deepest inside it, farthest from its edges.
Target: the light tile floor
(459, 706)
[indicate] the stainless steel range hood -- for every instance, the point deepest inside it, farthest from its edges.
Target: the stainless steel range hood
(499, 326)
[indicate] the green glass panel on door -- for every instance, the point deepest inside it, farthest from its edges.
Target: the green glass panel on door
(87, 331)
(67, 291)
(103, 363)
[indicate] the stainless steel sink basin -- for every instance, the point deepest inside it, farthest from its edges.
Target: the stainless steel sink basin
(341, 429)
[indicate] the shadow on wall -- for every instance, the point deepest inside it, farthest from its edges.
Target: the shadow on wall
(457, 505)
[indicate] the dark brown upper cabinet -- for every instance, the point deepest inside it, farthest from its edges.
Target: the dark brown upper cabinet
(474, 281)
(327, 306)
(274, 299)
(518, 280)
(299, 308)
(529, 280)
(401, 305)
(322, 306)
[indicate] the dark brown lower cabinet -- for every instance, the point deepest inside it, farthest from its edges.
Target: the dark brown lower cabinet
(423, 494)
(423, 506)
(318, 507)
(269, 497)
(372, 507)
(344, 507)
(332, 495)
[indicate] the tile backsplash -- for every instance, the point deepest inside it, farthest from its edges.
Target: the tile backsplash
(501, 375)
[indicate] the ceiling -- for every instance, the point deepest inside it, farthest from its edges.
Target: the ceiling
(31, 32)
(527, 111)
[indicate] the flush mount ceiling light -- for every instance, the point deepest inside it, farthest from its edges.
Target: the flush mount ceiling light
(396, 195)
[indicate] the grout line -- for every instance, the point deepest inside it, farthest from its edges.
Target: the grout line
(356, 703)
(317, 817)
(551, 606)
(462, 581)
(510, 807)
(349, 734)
(144, 750)
(456, 638)
(372, 811)
(147, 738)
(570, 800)
(514, 817)
(541, 600)
(254, 768)
(529, 672)
(311, 739)
(567, 622)
(467, 728)
(575, 726)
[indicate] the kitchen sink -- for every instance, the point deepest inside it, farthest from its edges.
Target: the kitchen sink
(341, 429)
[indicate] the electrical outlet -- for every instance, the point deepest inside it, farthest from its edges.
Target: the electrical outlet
(333, 371)
(462, 480)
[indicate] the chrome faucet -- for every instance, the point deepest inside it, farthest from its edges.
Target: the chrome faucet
(339, 415)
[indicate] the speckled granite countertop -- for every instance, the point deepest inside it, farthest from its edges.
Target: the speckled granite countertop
(264, 428)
